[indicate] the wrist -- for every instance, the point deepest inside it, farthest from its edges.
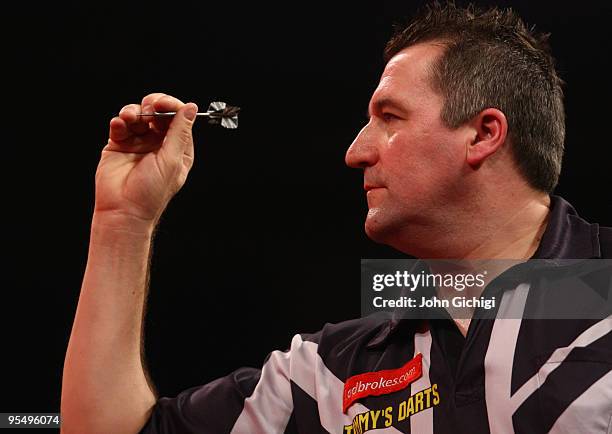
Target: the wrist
(114, 222)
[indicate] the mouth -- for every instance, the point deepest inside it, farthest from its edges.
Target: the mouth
(368, 187)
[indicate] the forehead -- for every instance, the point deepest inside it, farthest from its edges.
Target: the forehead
(406, 77)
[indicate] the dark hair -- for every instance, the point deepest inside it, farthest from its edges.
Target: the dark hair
(492, 59)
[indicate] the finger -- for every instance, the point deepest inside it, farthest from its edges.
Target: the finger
(138, 125)
(118, 131)
(165, 103)
(122, 139)
(178, 139)
(150, 99)
(147, 104)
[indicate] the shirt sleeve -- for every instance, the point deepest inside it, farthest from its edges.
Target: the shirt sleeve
(246, 401)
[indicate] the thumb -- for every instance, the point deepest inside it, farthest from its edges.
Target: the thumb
(178, 137)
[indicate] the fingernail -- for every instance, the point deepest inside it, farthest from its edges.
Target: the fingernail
(190, 111)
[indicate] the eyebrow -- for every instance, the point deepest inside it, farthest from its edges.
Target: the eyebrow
(381, 103)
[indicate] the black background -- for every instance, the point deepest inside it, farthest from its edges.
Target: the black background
(265, 239)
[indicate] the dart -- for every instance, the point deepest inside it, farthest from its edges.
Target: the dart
(218, 113)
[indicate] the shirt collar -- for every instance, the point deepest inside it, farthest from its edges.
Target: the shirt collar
(567, 236)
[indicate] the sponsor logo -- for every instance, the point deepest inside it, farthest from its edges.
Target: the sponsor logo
(381, 382)
(384, 418)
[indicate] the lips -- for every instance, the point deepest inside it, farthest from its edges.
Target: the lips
(368, 187)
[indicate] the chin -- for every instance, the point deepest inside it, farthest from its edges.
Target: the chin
(388, 229)
(375, 227)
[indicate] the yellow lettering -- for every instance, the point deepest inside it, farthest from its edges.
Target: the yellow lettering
(364, 420)
(420, 401)
(436, 395)
(374, 415)
(418, 405)
(401, 411)
(410, 409)
(388, 416)
(428, 397)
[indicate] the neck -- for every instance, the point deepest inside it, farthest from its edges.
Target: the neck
(501, 228)
(487, 236)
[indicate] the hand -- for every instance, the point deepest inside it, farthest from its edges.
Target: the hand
(146, 160)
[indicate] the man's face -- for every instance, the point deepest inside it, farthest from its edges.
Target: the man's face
(412, 162)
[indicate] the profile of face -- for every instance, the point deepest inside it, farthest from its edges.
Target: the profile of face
(412, 162)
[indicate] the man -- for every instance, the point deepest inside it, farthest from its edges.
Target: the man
(461, 152)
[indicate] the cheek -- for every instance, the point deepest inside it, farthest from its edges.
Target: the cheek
(421, 163)
(410, 154)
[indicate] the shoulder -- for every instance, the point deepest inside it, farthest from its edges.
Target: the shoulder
(347, 334)
(605, 242)
(340, 345)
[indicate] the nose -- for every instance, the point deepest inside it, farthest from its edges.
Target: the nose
(363, 151)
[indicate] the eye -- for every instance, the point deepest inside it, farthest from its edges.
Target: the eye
(387, 117)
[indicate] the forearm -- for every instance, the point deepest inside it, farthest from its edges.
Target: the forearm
(104, 385)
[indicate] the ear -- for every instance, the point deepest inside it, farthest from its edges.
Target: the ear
(491, 130)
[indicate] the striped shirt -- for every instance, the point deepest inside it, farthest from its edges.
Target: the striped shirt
(505, 376)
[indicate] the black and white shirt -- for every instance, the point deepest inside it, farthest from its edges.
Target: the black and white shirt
(505, 376)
